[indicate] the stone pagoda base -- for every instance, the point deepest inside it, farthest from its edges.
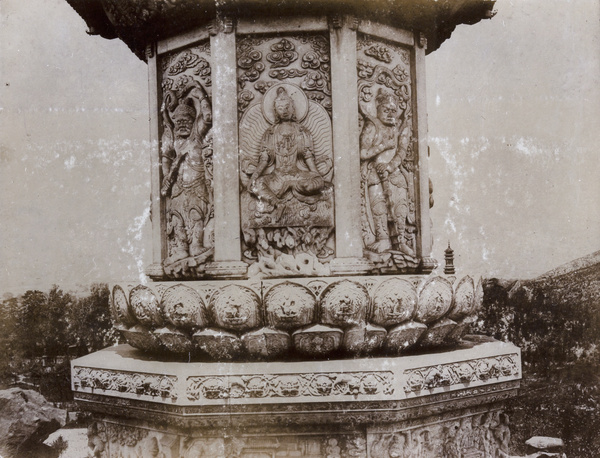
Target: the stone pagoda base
(447, 403)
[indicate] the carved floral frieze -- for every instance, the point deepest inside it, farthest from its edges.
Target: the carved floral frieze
(113, 381)
(480, 434)
(290, 385)
(467, 432)
(475, 370)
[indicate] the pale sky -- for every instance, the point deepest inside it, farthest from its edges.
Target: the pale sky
(514, 111)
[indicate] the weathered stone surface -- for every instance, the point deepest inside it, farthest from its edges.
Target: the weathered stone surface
(437, 333)
(26, 419)
(145, 307)
(464, 298)
(463, 326)
(545, 443)
(363, 339)
(141, 337)
(183, 307)
(218, 344)
(120, 311)
(435, 299)
(243, 306)
(235, 308)
(289, 306)
(266, 343)
(394, 302)
(404, 336)
(344, 304)
(317, 340)
(174, 340)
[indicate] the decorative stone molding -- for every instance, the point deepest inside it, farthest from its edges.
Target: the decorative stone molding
(112, 382)
(476, 370)
(313, 316)
(290, 385)
(465, 432)
(424, 384)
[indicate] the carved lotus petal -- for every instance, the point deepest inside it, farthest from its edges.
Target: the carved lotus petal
(317, 340)
(344, 304)
(363, 339)
(120, 310)
(403, 336)
(290, 306)
(266, 343)
(174, 340)
(217, 344)
(142, 338)
(435, 300)
(436, 333)
(463, 298)
(183, 307)
(394, 302)
(463, 326)
(235, 308)
(144, 305)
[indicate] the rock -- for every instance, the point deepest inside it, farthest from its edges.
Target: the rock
(544, 443)
(26, 419)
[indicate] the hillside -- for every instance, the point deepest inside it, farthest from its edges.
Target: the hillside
(555, 319)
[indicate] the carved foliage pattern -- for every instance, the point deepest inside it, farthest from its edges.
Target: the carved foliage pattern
(125, 382)
(483, 369)
(290, 385)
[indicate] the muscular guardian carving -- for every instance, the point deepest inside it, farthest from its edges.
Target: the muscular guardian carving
(186, 147)
(384, 142)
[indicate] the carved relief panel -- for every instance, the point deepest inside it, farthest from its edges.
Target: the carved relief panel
(477, 435)
(186, 159)
(388, 190)
(286, 157)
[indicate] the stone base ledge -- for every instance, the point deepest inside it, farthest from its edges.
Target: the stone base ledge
(122, 376)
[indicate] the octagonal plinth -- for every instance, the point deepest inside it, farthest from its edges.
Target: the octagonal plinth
(453, 397)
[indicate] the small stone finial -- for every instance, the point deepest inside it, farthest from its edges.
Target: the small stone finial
(353, 23)
(422, 40)
(149, 51)
(224, 24)
(449, 257)
(336, 21)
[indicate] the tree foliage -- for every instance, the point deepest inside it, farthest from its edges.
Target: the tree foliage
(56, 324)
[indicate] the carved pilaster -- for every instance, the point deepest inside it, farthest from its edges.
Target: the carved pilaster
(349, 250)
(425, 241)
(155, 270)
(227, 256)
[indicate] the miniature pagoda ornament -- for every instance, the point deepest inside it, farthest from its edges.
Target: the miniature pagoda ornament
(449, 258)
